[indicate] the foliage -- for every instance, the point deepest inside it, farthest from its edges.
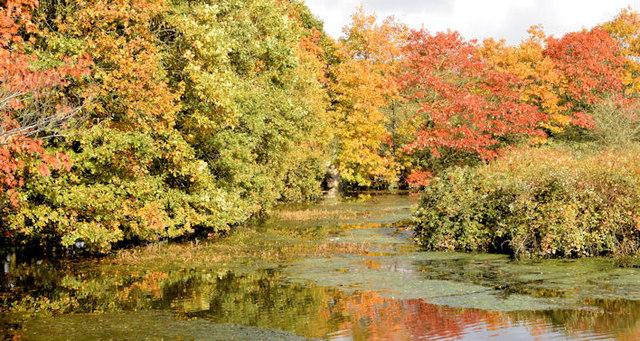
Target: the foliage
(477, 100)
(134, 177)
(615, 123)
(625, 29)
(203, 114)
(168, 118)
(254, 107)
(537, 202)
(30, 104)
(563, 77)
(470, 106)
(542, 83)
(364, 81)
(592, 67)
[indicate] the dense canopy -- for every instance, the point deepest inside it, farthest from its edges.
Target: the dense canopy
(139, 120)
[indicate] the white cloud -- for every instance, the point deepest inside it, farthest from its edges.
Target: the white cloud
(476, 19)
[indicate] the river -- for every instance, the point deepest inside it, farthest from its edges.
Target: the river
(338, 270)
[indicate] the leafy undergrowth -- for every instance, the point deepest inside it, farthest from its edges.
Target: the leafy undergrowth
(537, 202)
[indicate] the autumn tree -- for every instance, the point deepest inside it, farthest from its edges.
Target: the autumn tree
(542, 83)
(364, 82)
(134, 177)
(592, 67)
(30, 102)
(254, 106)
(625, 30)
(203, 114)
(563, 77)
(470, 107)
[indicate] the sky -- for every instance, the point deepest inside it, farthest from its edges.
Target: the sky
(477, 19)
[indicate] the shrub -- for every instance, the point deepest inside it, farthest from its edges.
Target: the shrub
(537, 203)
(615, 123)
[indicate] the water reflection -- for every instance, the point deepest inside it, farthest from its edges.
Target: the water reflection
(219, 298)
(268, 300)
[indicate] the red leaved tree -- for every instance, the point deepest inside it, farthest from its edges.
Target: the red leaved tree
(593, 69)
(30, 102)
(470, 106)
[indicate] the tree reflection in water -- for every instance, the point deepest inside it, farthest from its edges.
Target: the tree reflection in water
(198, 287)
(266, 299)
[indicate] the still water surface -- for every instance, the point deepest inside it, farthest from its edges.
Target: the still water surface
(343, 270)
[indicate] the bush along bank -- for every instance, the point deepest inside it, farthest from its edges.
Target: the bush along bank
(537, 203)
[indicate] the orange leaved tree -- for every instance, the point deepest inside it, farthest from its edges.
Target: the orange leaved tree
(364, 81)
(542, 83)
(593, 68)
(625, 29)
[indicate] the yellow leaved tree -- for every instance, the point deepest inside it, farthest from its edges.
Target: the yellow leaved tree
(625, 28)
(363, 82)
(542, 84)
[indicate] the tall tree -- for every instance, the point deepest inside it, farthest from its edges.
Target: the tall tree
(133, 176)
(254, 105)
(471, 107)
(625, 29)
(364, 82)
(542, 83)
(593, 69)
